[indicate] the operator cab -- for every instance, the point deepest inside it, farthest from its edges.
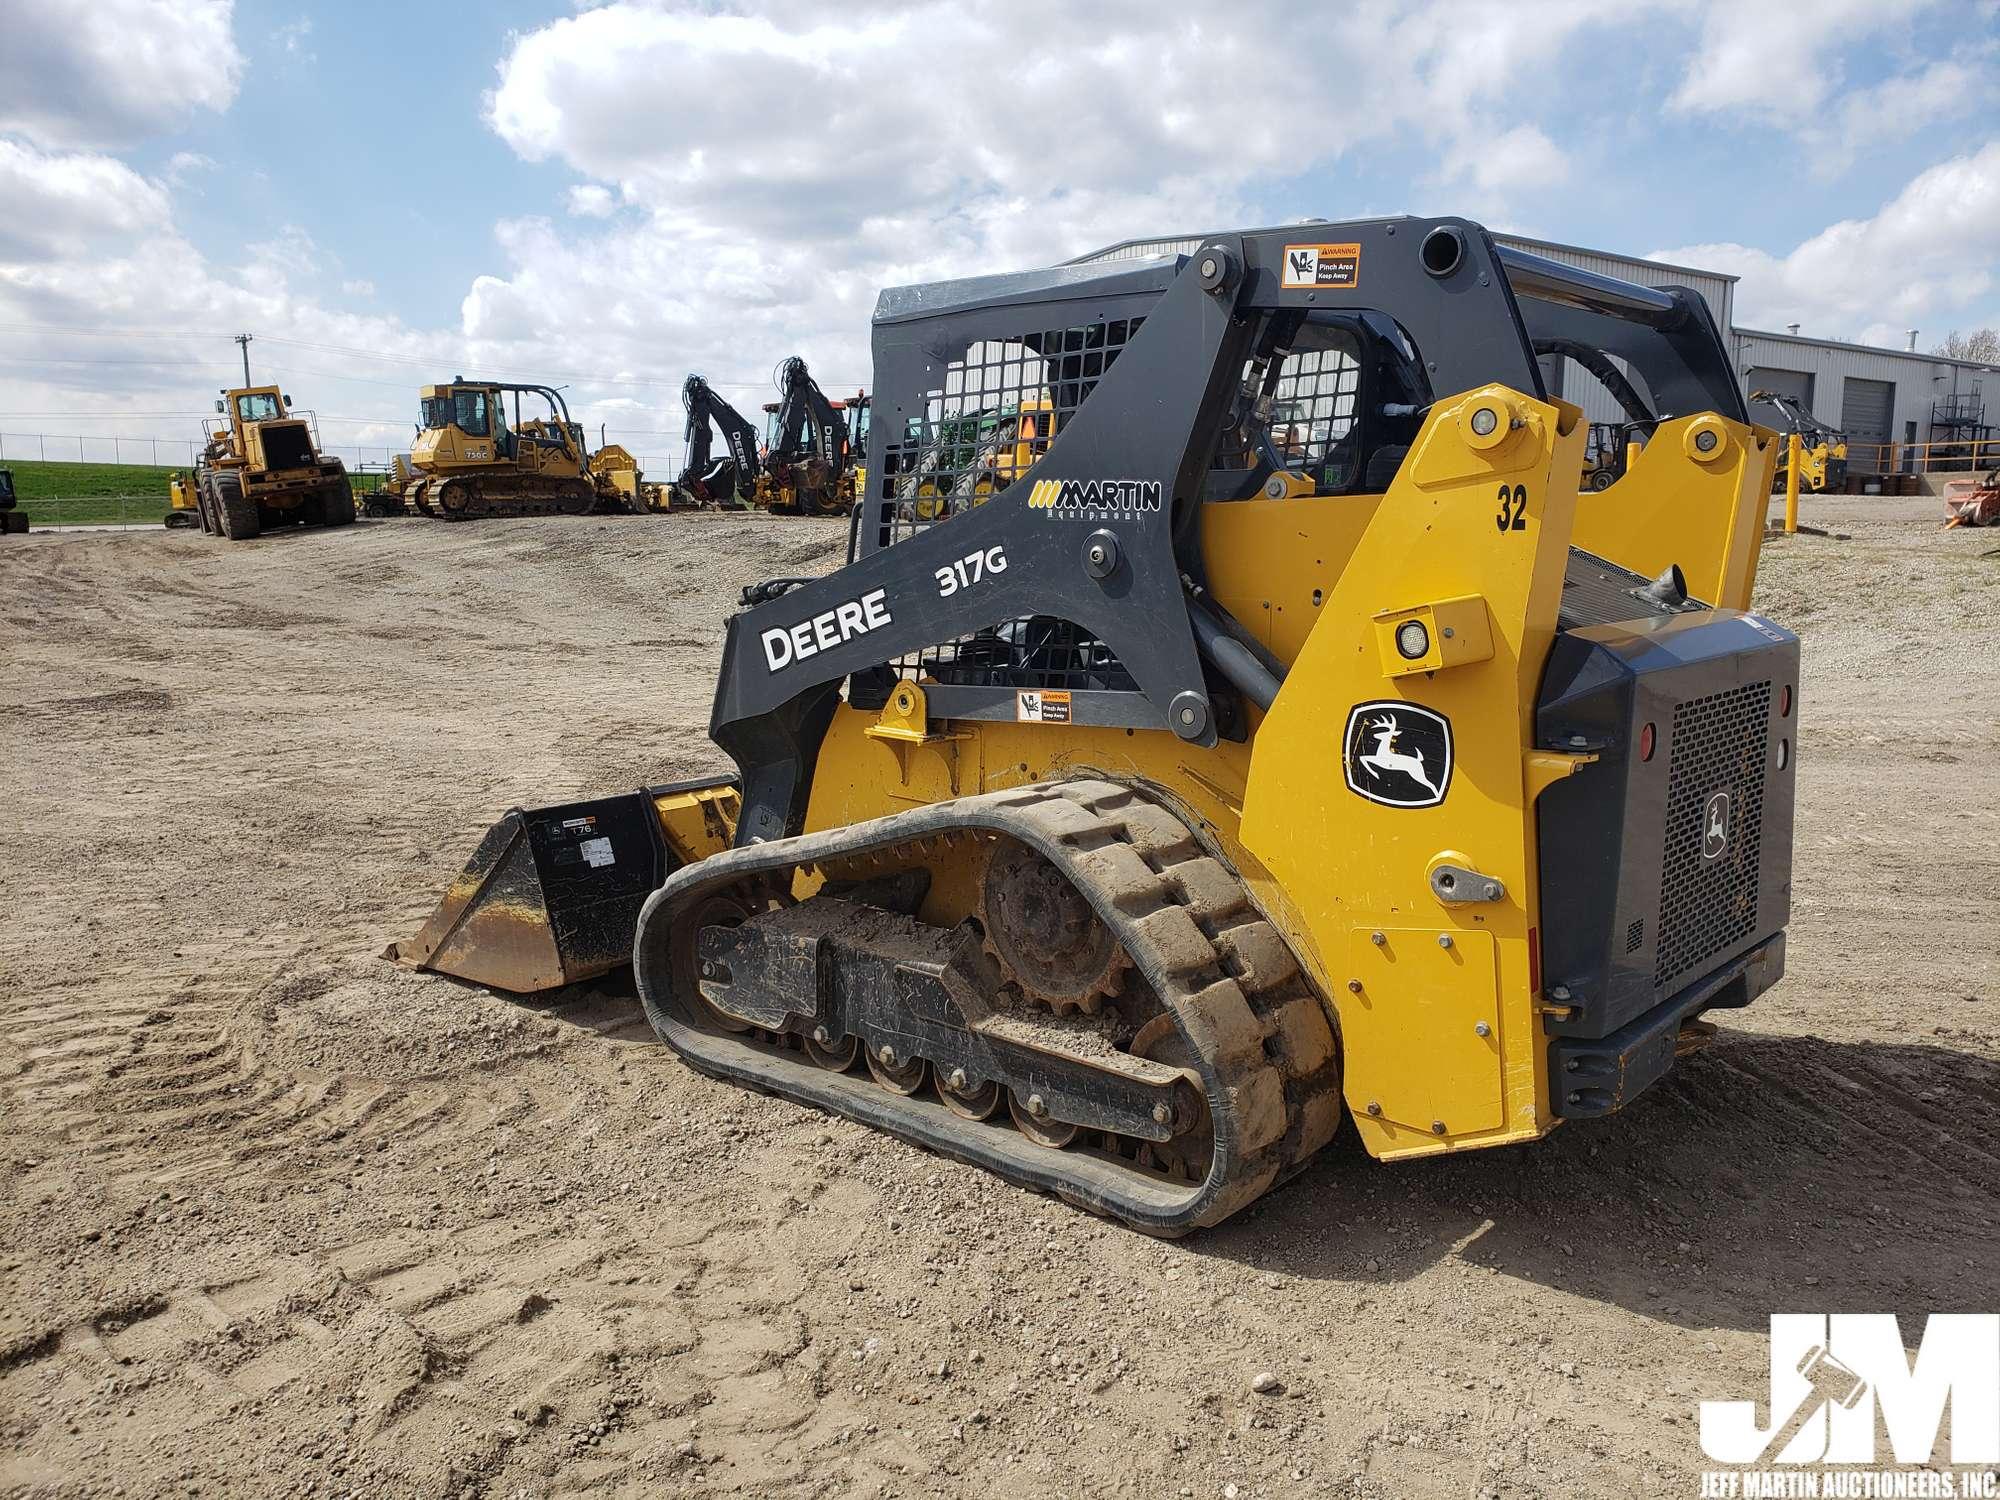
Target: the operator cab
(259, 406)
(1337, 405)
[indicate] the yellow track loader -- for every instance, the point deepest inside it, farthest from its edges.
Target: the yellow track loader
(1293, 740)
(261, 468)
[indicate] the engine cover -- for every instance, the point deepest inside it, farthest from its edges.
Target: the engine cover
(1670, 858)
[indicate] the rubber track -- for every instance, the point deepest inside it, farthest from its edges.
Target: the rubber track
(1264, 1050)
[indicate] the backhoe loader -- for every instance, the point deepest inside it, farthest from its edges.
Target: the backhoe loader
(1293, 741)
(728, 481)
(808, 464)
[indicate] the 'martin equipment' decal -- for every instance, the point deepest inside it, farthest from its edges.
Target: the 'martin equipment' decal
(1397, 754)
(1097, 499)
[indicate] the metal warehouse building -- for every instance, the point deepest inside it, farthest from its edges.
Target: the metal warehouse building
(1901, 410)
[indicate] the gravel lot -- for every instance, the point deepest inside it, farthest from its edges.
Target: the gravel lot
(280, 1218)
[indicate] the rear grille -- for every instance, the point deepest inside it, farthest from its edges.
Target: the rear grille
(1709, 904)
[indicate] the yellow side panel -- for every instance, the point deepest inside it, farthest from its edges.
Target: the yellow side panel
(1412, 987)
(1272, 563)
(1680, 504)
(1472, 513)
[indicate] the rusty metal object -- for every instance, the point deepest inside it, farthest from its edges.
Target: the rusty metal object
(1973, 503)
(1043, 934)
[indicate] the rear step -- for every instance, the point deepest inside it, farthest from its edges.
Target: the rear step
(1253, 1038)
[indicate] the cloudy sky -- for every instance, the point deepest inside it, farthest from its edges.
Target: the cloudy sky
(610, 195)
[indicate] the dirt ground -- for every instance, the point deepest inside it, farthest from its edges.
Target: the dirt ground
(280, 1218)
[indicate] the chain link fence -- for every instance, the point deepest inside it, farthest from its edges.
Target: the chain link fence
(181, 453)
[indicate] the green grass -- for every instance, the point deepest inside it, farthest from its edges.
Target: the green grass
(58, 494)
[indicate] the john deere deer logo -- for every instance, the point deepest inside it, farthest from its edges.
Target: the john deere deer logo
(1715, 826)
(1398, 754)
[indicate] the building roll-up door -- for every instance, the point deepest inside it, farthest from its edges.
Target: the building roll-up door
(1866, 407)
(1795, 383)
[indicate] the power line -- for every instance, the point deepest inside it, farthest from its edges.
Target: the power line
(381, 357)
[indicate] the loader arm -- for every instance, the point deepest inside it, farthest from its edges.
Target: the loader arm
(1101, 534)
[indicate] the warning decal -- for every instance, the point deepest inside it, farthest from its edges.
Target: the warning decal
(1043, 707)
(1311, 266)
(597, 852)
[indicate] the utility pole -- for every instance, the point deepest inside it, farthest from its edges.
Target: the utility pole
(243, 339)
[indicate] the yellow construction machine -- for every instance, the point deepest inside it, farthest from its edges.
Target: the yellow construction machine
(262, 467)
(471, 461)
(622, 484)
(807, 466)
(1287, 737)
(1822, 449)
(391, 492)
(183, 504)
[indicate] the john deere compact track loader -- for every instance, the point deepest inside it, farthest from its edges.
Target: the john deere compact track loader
(1290, 741)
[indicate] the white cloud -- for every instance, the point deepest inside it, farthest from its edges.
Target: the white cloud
(62, 204)
(1928, 253)
(1776, 60)
(768, 217)
(294, 39)
(184, 164)
(1901, 106)
(358, 287)
(1502, 166)
(111, 72)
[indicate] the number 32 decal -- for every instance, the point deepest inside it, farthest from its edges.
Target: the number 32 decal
(1513, 508)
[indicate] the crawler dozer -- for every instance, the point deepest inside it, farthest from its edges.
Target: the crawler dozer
(1293, 741)
(261, 468)
(471, 462)
(183, 506)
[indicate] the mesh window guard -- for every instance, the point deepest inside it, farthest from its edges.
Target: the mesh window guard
(984, 427)
(989, 422)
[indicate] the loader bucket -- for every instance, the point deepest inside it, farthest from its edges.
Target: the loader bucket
(552, 895)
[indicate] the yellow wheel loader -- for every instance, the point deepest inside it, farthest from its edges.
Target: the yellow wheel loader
(261, 468)
(1293, 741)
(619, 479)
(470, 461)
